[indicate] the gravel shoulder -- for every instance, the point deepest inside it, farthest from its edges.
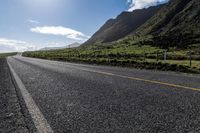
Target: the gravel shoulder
(11, 115)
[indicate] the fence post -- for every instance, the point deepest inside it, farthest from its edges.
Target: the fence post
(190, 56)
(165, 55)
(144, 55)
(157, 55)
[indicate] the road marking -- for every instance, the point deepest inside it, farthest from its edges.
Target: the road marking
(39, 120)
(144, 80)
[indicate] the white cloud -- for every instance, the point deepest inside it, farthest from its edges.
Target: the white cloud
(140, 4)
(7, 45)
(33, 21)
(61, 31)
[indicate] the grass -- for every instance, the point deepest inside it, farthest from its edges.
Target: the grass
(195, 64)
(4, 55)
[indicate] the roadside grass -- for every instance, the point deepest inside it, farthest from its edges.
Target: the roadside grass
(195, 64)
(4, 55)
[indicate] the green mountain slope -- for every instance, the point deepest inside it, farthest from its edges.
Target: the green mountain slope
(176, 24)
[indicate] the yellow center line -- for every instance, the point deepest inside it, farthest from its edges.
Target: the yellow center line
(144, 80)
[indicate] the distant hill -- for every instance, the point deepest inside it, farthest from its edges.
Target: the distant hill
(176, 24)
(73, 45)
(51, 48)
(123, 25)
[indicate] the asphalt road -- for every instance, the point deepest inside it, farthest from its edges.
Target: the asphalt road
(81, 98)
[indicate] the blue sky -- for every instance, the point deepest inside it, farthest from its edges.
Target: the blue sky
(34, 24)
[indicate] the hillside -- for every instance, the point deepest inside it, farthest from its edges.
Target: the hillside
(74, 45)
(123, 25)
(176, 24)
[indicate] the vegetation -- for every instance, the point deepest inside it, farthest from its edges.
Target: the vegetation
(4, 55)
(176, 24)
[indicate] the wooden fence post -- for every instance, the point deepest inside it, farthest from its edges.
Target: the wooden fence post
(165, 55)
(190, 56)
(157, 55)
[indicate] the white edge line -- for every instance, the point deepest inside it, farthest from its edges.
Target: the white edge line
(39, 120)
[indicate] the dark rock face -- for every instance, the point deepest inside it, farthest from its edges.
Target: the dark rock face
(125, 24)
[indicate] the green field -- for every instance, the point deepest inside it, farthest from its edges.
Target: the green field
(4, 55)
(195, 64)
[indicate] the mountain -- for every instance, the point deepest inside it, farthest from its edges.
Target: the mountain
(73, 45)
(123, 25)
(176, 24)
(51, 48)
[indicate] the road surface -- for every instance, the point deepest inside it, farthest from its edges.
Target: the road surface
(82, 98)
